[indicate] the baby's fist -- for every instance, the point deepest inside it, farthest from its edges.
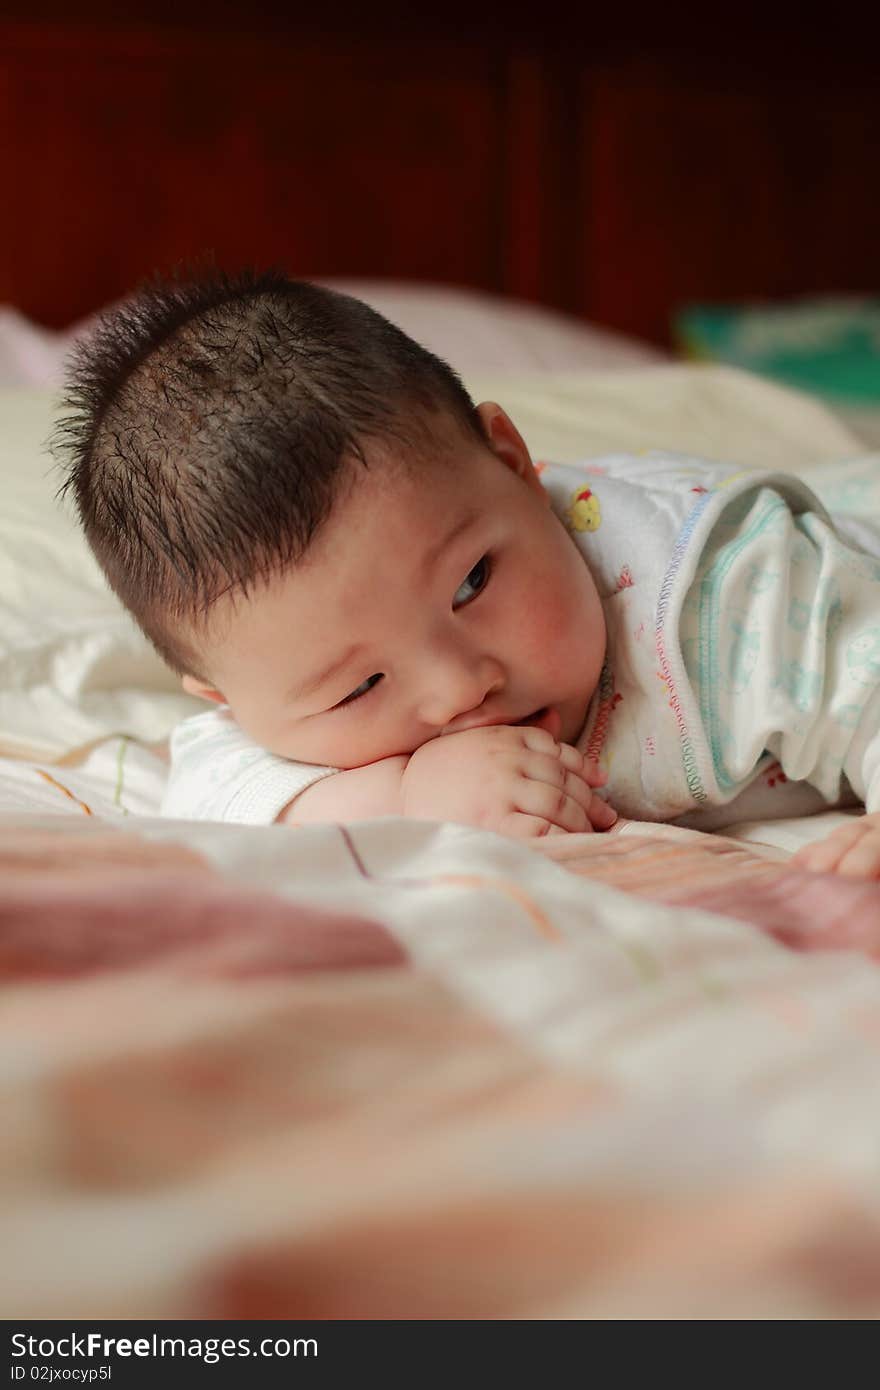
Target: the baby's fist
(513, 779)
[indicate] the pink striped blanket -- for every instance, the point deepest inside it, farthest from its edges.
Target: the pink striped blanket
(630, 1077)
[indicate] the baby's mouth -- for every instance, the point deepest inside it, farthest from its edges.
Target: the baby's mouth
(547, 717)
(535, 715)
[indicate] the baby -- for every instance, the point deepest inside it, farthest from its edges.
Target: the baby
(394, 611)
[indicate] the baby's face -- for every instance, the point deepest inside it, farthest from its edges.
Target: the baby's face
(436, 597)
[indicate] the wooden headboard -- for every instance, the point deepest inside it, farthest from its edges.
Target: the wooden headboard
(613, 177)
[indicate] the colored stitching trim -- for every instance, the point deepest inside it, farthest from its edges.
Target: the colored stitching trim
(596, 741)
(688, 752)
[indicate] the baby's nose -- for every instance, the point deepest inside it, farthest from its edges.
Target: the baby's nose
(456, 689)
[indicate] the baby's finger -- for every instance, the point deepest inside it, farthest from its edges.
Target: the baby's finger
(553, 804)
(571, 760)
(602, 815)
(594, 775)
(818, 859)
(824, 856)
(575, 761)
(520, 826)
(540, 741)
(589, 769)
(538, 767)
(599, 813)
(862, 859)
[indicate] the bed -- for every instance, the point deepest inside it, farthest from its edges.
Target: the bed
(401, 1069)
(407, 1070)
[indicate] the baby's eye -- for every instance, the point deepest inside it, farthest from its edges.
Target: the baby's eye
(363, 689)
(474, 583)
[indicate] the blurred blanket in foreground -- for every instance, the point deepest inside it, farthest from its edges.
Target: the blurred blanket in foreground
(346, 1074)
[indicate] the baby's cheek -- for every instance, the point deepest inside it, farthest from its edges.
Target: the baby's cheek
(543, 639)
(552, 629)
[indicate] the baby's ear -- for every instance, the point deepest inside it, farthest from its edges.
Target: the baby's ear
(193, 686)
(506, 442)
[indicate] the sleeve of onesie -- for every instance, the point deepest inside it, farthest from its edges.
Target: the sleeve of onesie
(783, 628)
(219, 774)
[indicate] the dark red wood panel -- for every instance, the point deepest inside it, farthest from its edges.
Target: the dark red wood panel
(614, 174)
(702, 181)
(128, 151)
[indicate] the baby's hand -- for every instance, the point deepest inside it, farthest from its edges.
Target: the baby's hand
(513, 779)
(853, 850)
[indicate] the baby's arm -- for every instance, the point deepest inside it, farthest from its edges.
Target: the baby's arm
(218, 774)
(357, 794)
(515, 780)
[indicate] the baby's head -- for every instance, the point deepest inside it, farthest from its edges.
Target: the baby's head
(313, 524)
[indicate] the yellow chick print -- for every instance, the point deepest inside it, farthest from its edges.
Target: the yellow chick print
(584, 512)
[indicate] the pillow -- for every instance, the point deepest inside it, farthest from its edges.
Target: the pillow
(714, 412)
(487, 333)
(472, 331)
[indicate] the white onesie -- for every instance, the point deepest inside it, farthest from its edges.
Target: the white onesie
(743, 646)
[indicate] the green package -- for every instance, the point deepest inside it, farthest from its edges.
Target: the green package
(830, 347)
